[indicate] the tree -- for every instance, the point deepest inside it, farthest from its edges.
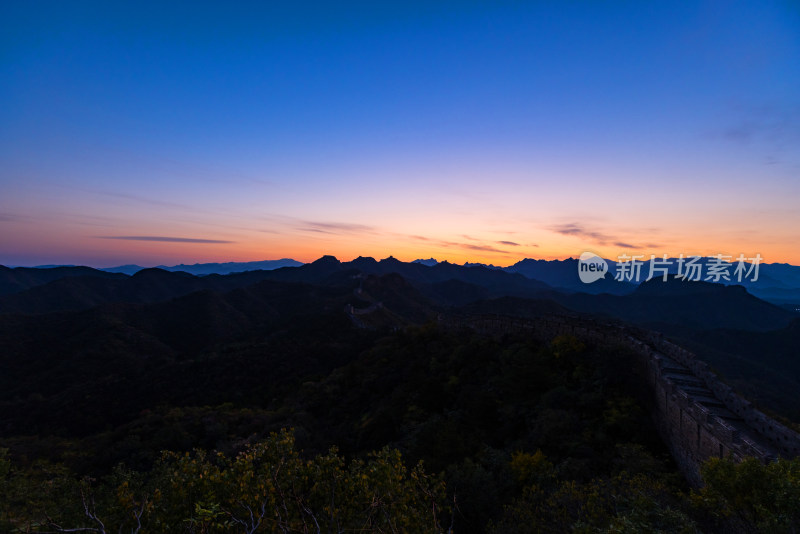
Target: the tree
(268, 487)
(751, 496)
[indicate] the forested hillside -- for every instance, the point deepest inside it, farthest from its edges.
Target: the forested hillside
(335, 405)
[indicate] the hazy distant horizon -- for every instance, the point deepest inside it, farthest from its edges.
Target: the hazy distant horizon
(341, 259)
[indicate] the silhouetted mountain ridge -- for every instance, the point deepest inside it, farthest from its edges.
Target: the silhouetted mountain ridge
(22, 278)
(695, 305)
(201, 269)
(172, 338)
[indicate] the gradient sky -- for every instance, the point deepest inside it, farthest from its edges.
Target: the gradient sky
(169, 132)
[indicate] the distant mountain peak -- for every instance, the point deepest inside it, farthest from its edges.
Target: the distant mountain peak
(327, 260)
(430, 262)
(488, 266)
(202, 269)
(391, 260)
(361, 260)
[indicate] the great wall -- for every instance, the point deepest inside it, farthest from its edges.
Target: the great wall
(697, 415)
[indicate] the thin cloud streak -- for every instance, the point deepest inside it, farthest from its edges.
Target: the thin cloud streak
(482, 248)
(470, 246)
(138, 199)
(577, 230)
(772, 129)
(467, 246)
(335, 227)
(165, 239)
(600, 238)
(6, 217)
(770, 123)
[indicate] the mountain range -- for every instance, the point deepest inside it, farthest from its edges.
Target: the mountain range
(211, 268)
(388, 293)
(100, 368)
(778, 283)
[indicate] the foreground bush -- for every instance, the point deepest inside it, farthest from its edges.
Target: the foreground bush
(267, 487)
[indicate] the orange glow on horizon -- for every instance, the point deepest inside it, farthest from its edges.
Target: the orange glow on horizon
(171, 255)
(66, 244)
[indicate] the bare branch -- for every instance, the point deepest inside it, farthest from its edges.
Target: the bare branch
(255, 522)
(88, 512)
(307, 510)
(138, 516)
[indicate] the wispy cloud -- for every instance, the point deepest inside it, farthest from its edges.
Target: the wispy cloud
(481, 248)
(576, 229)
(334, 227)
(509, 243)
(144, 200)
(478, 247)
(772, 128)
(164, 239)
(472, 246)
(595, 236)
(7, 217)
(767, 123)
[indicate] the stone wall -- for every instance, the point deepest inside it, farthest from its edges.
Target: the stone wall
(697, 415)
(784, 439)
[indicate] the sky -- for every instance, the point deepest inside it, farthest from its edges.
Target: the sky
(184, 132)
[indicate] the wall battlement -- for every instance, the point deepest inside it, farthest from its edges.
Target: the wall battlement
(698, 416)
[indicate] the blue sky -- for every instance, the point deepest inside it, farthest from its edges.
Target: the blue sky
(263, 130)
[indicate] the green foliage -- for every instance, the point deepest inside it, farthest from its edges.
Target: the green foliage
(268, 487)
(619, 504)
(530, 469)
(524, 436)
(565, 346)
(5, 465)
(751, 496)
(478, 487)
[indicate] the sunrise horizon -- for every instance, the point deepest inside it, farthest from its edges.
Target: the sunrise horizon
(471, 133)
(622, 256)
